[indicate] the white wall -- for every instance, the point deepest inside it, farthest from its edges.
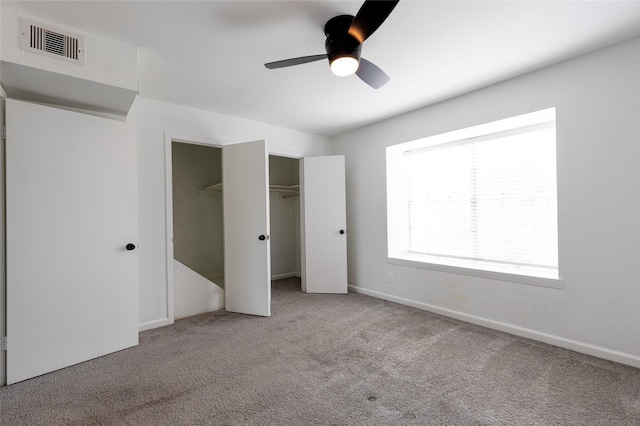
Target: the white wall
(153, 119)
(597, 311)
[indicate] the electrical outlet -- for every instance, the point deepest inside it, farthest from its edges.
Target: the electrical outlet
(390, 277)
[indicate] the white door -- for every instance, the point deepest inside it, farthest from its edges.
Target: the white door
(247, 274)
(323, 222)
(72, 285)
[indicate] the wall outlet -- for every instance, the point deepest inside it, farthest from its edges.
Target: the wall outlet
(390, 277)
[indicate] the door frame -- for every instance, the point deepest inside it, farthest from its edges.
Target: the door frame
(3, 244)
(169, 138)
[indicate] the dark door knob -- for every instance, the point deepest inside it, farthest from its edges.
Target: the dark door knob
(262, 238)
(130, 246)
(342, 231)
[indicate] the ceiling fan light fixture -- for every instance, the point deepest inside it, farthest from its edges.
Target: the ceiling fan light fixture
(345, 35)
(343, 66)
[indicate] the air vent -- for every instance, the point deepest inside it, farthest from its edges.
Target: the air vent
(48, 41)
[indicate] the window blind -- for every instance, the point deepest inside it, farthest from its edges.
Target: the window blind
(489, 199)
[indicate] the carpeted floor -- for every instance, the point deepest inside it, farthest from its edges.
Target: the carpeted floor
(330, 360)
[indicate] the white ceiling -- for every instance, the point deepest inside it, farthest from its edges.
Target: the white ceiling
(210, 54)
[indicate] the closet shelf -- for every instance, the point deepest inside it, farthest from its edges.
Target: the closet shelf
(210, 191)
(285, 189)
(216, 189)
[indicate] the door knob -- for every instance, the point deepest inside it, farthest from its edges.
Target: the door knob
(341, 231)
(262, 237)
(130, 246)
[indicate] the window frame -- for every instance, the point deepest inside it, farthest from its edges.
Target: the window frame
(398, 252)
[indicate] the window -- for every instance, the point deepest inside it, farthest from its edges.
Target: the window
(483, 198)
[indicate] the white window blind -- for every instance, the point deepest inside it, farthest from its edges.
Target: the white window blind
(490, 200)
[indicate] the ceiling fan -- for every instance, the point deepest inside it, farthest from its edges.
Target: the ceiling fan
(345, 35)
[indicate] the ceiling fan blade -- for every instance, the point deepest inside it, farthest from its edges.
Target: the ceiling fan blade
(295, 61)
(370, 16)
(371, 74)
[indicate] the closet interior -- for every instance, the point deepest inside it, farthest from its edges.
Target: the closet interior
(284, 214)
(197, 209)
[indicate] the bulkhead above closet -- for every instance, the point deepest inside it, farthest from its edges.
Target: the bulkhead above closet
(104, 83)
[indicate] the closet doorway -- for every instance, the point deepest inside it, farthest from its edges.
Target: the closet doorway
(197, 225)
(284, 213)
(281, 217)
(198, 239)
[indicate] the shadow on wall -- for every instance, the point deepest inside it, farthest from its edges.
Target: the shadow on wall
(197, 215)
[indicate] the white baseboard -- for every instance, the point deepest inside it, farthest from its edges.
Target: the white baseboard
(154, 324)
(287, 275)
(585, 348)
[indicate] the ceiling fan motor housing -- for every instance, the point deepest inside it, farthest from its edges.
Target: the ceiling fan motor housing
(345, 36)
(339, 42)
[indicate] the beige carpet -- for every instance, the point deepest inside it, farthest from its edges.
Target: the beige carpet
(330, 360)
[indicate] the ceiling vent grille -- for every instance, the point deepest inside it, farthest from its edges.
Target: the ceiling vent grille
(48, 41)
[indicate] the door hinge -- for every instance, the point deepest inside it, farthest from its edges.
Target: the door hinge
(4, 343)
(4, 132)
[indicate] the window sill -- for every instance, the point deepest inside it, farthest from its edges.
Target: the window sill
(500, 276)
